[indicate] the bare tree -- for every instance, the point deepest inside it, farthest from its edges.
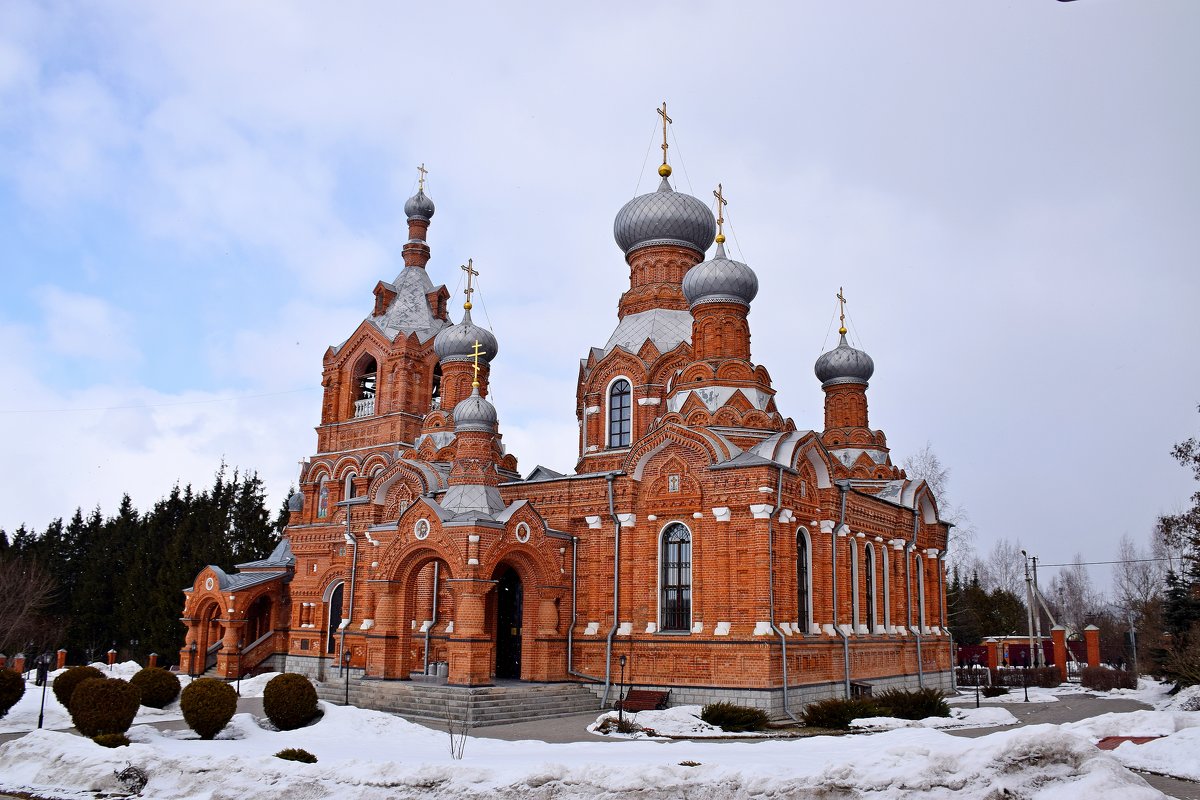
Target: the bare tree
(927, 466)
(1002, 568)
(1078, 601)
(26, 591)
(1137, 580)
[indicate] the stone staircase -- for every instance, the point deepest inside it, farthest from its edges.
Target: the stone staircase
(483, 705)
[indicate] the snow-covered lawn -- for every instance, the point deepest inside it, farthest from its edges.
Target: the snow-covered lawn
(983, 717)
(368, 754)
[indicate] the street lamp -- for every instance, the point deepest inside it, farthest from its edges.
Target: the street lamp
(975, 669)
(239, 668)
(621, 704)
(192, 660)
(43, 669)
(1024, 678)
(346, 672)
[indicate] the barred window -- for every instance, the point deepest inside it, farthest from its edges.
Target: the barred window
(676, 583)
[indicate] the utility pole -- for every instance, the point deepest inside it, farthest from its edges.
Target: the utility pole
(1038, 657)
(1029, 601)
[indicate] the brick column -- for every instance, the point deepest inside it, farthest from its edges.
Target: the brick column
(18, 662)
(62, 659)
(993, 653)
(153, 661)
(111, 657)
(1091, 637)
(1058, 634)
(470, 652)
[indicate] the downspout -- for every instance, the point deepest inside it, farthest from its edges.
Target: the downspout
(434, 621)
(843, 487)
(574, 612)
(608, 642)
(908, 550)
(771, 591)
(352, 540)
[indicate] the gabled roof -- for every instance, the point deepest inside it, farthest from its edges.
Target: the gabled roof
(409, 311)
(281, 556)
(662, 326)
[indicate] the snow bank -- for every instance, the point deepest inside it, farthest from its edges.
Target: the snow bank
(24, 715)
(1015, 695)
(982, 717)
(370, 755)
(678, 721)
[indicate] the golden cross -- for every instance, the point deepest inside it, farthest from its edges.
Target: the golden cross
(841, 296)
(476, 351)
(721, 203)
(469, 268)
(662, 112)
(421, 180)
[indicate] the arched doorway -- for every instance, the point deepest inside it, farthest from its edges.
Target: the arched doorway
(509, 601)
(335, 618)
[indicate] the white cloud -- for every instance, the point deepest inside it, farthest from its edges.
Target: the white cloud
(83, 326)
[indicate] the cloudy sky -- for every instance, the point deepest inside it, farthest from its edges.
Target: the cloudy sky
(196, 199)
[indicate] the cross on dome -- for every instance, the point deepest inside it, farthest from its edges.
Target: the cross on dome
(469, 268)
(665, 169)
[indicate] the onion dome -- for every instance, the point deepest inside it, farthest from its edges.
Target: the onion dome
(296, 502)
(419, 206)
(844, 364)
(475, 414)
(720, 279)
(457, 342)
(664, 217)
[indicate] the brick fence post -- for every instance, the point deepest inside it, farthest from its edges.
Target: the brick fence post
(1058, 634)
(62, 659)
(1091, 637)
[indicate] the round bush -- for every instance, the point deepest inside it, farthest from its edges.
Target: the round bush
(838, 713)
(12, 688)
(104, 705)
(734, 718)
(111, 740)
(911, 703)
(207, 705)
(290, 701)
(64, 685)
(159, 686)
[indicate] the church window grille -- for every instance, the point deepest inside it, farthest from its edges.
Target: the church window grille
(620, 414)
(676, 583)
(803, 581)
(872, 613)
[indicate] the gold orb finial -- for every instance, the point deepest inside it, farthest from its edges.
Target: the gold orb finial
(468, 305)
(665, 170)
(720, 238)
(842, 331)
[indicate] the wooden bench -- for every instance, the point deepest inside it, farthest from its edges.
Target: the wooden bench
(643, 700)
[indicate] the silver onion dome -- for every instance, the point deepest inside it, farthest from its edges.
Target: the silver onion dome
(419, 205)
(720, 279)
(844, 364)
(457, 342)
(296, 502)
(475, 414)
(664, 217)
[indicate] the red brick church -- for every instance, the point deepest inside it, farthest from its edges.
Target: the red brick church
(720, 549)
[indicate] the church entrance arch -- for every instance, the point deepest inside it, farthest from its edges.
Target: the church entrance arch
(335, 617)
(211, 634)
(510, 601)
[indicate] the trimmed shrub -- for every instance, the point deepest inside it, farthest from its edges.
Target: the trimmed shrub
(12, 689)
(104, 705)
(1103, 679)
(912, 704)
(111, 740)
(64, 685)
(734, 718)
(838, 712)
(994, 691)
(296, 754)
(290, 701)
(207, 705)
(158, 686)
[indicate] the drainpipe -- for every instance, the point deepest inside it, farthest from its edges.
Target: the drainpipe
(771, 591)
(574, 612)
(434, 621)
(351, 540)
(908, 550)
(843, 487)
(608, 643)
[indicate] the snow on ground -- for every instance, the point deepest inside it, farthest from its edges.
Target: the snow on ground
(369, 755)
(24, 715)
(983, 717)
(1017, 695)
(677, 721)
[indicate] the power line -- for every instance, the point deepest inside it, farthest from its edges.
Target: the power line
(155, 405)
(1095, 563)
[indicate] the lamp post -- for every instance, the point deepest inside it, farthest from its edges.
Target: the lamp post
(44, 678)
(1024, 678)
(975, 669)
(621, 698)
(346, 672)
(192, 660)
(239, 668)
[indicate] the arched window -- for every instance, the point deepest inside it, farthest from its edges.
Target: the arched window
(872, 613)
(620, 413)
(855, 609)
(364, 387)
(436, 392)
(920, 592)
(887, 590)
(676, 581)
(350, 491)
(803, 581)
